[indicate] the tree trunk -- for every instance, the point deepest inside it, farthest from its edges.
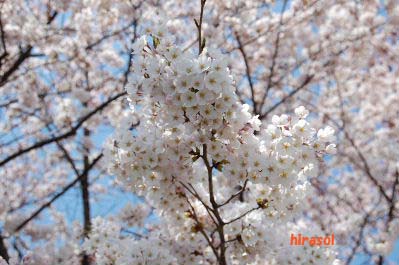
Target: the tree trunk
(84, 185)
(3, 250)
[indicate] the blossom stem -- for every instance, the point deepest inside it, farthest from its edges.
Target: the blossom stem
(199, 27)
(215, 206)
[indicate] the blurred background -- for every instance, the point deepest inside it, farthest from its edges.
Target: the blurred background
(64, 66)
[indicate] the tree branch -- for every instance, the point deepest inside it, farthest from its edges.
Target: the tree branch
(23, 55)
(201, 229)
(220, 227)
(307, 80)
(242, 215)
(3, 250)
(84, 187)
(248, 73)
(59, 194)
(3, 43)
(274, 57)
(366, 167)
(71, 132)
(201, 42)
(238, 194)
(358, 241)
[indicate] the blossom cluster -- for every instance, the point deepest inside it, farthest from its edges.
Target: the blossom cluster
(198, 144)
(109, 248)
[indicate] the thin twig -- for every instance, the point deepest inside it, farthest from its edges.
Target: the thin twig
(242, 215)
(274, 57)
(201, 42)
(65, 189)
(67, 134)
(238, 194)
(248, 73)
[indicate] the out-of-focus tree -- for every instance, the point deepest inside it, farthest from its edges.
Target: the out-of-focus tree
(63, 68)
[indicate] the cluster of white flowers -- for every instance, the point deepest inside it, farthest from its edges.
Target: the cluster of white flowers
(383, 242)
(108, 247)
(64, 110)
(134, 215)
(197, 143)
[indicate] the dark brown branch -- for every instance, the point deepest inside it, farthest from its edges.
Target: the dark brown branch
(59, 194)
(274, 58)
(68, 158)
(238, 194)
(248, 73)
(6, 104)
(381, 259)
(85, 193)
(129, 63)
(17, 249)
(358, 241)
(107, 36)
(393, 197)
(23, 55)
(243, 215)
(220, 227)
(3, 250)
(3, 43)
(290, 95)
(84, 187)
(201, 229)
(137, 235)
(366, 167)
(306, 81)
(196, 195)
(70, 133)
(201, 42)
